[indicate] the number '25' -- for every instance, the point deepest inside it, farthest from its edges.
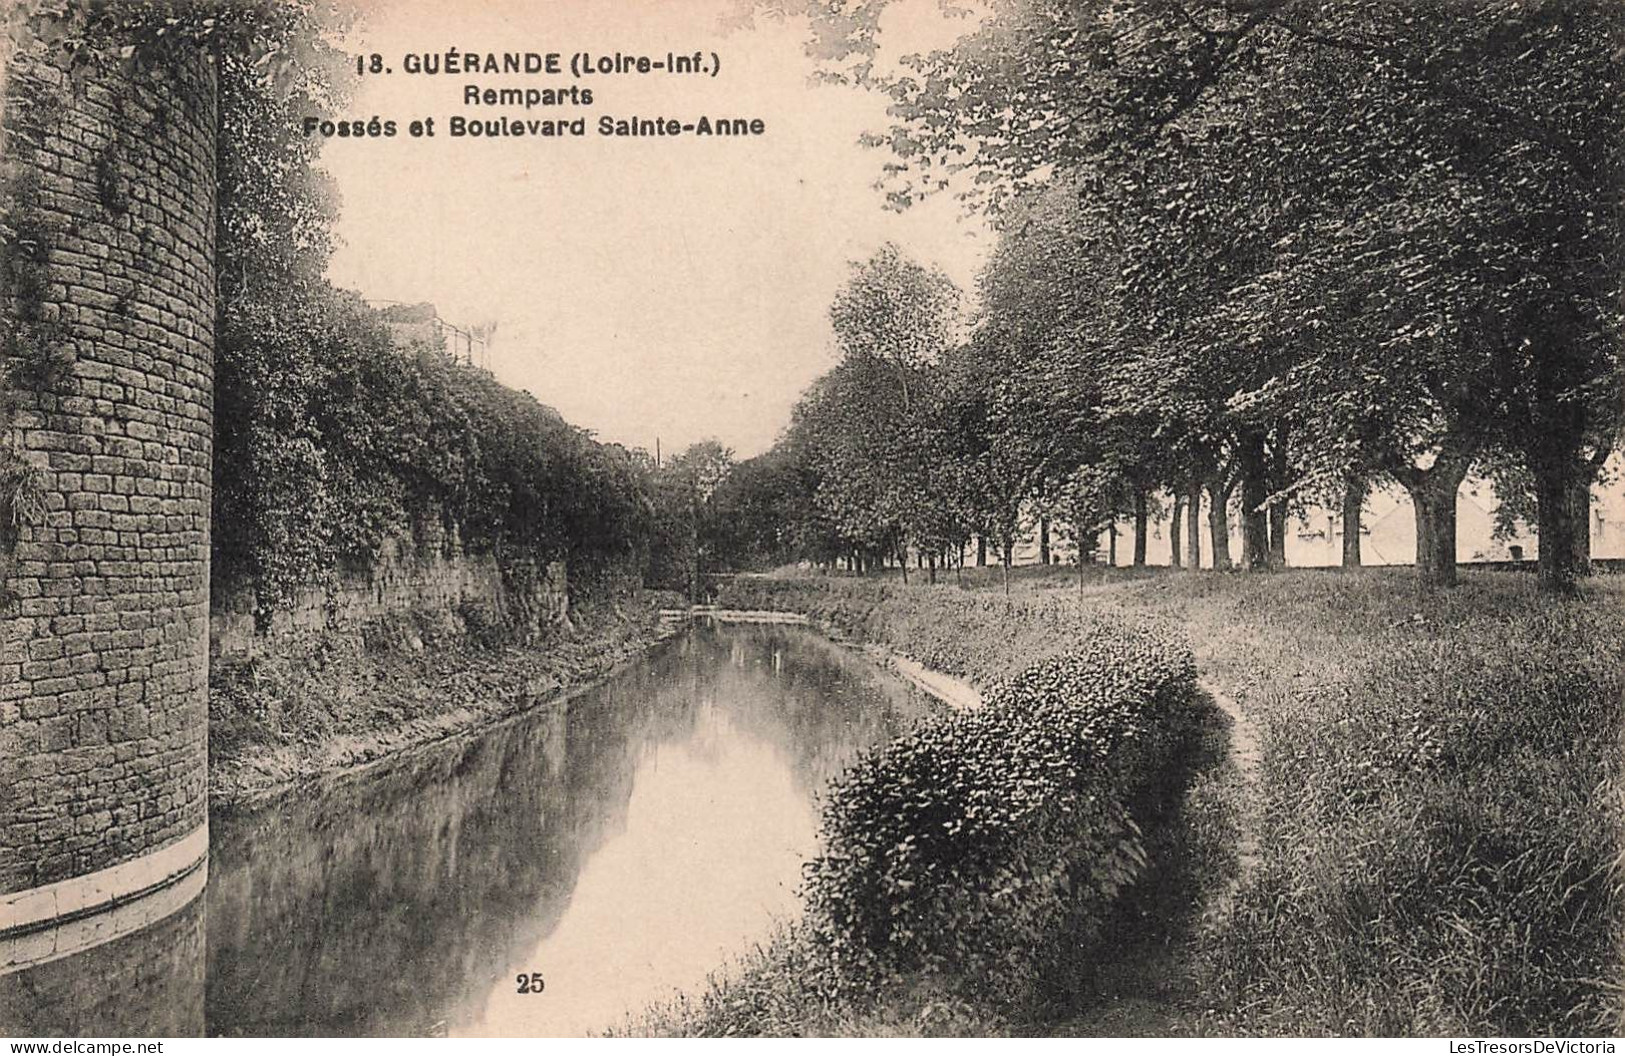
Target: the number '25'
(531, 983)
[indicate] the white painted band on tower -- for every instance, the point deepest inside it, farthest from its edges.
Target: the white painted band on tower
(46, 923)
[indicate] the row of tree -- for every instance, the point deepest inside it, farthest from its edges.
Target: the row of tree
(1262, 251)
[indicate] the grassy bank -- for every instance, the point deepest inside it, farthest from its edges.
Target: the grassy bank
(1437, 809)
(1439, 803)
(322, 703)
(981, 637)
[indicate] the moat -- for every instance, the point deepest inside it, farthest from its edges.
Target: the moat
(616, 848)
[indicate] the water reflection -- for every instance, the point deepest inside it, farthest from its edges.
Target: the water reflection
(620, 847)
(147, 983)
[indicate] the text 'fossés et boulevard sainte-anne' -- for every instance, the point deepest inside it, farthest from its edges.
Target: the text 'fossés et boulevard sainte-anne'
(581, 66)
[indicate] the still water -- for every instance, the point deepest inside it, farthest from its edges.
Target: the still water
(620, 847)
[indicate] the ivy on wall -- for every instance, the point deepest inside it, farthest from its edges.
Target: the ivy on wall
(49, 49)
(33, 354)
(330, 440)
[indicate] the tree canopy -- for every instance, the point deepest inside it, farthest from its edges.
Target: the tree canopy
(1274, 245)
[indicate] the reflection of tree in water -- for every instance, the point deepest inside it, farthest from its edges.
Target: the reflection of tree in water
(817, 702)
(386, 902)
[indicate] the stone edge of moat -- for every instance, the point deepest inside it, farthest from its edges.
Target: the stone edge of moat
(734, 615)
(955, 692)
(44, 924)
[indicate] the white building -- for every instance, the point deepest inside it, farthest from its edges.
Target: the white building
(1388, 531)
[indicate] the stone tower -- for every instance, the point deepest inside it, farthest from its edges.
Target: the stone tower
(107, 303)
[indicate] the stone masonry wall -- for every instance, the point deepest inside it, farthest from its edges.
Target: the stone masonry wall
(419, 581)
(107, 383)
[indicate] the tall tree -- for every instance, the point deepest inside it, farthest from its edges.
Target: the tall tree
(873, 422)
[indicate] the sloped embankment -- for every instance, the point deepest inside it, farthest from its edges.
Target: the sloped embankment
(328, 702)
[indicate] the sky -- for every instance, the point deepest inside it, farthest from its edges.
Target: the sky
(659, 288)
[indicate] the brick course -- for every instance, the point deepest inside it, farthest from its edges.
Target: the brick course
(104, 646)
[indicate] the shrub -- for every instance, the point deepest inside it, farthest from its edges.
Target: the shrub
(978, 841)
(1437, 811)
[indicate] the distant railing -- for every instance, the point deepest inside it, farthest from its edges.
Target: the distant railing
(461, 342)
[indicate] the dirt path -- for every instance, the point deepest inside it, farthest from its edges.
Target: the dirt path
(1244, 755)
(1149, 986)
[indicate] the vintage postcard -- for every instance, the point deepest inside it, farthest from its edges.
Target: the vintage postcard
(784, 518)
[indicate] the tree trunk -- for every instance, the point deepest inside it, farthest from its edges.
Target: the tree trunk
(1563, 504)
(1175, 523)
(1279, 474)
(1554, 453)
(1433, 493)
(1435, 503)
(931, 569)
(1193, 528)
(1255, 536)
(1043, 539)
(1353, 505)
(1088, 545)
(1111, 544)
(1580, 497)
(1278, 535)
(1009, 545)
(1218, 523)
(693, 547)
(981, 551)
(1141, 517)
(1563, 474)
